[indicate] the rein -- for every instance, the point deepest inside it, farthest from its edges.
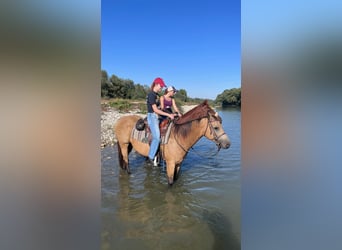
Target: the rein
(216, 137)
(212, 131)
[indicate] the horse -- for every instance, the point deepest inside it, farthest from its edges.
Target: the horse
(200, 121)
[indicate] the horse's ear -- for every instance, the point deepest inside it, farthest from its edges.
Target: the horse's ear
(205, 102)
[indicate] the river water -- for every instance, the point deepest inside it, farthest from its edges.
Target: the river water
(200, 211)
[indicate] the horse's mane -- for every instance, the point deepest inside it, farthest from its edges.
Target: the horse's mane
(183, 124)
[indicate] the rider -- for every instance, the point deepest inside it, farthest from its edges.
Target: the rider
(168, 103)
(152, 116)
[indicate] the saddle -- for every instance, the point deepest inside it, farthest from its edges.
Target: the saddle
(142, 124)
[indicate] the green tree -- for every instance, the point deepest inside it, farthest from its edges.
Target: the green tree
(182, 95)
(229, 97)
(104, 81)
(139, 92)
(128, 89)
(106, 85)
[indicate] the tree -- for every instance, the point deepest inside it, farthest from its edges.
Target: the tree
(229, 97)
(182, 95)
(106, 85)
(139, 92)
(104, 81)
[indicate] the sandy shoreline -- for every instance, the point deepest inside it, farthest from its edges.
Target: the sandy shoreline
(109, 117)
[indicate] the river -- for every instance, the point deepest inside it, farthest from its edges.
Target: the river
(200, 211)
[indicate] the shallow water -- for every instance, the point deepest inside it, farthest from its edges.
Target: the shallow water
(200, 211)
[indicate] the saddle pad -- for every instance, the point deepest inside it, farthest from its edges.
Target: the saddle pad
(142, 136)
(165, 138)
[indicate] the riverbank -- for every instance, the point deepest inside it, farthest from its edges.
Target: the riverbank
(109, 117)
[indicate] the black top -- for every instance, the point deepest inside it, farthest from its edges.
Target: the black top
(151, 99)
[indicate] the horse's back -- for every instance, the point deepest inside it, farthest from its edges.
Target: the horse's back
(124, 126)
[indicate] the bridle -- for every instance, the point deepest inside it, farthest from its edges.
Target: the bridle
(211, 119)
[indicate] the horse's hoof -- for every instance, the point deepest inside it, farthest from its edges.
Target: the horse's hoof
(128, 170)
(170, 182)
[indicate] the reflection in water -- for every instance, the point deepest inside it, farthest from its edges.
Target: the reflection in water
(221, 227)
(201, 211)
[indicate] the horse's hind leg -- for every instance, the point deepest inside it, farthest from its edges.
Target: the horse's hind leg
(129, 149)
(123, 150)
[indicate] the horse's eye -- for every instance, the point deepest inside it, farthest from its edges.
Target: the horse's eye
(216, 128)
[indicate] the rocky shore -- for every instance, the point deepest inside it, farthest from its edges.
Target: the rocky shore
(109, 116)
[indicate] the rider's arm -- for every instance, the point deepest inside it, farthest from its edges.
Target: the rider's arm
(160, 112)
(175, 108)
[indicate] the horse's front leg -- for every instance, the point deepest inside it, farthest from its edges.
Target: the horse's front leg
(177, 170)
(170, 171)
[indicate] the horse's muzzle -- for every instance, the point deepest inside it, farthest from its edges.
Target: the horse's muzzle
(223, 141)
(225, 145)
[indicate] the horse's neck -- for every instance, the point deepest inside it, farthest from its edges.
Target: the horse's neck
(196, 132)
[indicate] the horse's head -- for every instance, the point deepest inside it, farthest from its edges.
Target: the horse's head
(213, 124)
(215, 132)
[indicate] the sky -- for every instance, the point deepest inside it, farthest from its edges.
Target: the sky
(192, 45)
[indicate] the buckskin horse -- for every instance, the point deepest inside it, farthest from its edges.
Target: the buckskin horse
(200, 121)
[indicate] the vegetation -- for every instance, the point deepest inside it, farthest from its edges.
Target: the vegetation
(125, 95)
(125, 105)
(229, 97)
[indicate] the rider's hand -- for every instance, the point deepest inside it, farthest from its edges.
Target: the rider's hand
(177, 115)
(172, 116)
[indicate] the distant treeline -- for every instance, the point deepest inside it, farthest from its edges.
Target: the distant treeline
(116, 87)
(229, 97)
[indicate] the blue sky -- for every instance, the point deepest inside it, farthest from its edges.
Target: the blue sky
(192, 45)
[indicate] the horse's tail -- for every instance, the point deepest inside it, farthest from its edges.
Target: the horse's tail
(121, 160)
